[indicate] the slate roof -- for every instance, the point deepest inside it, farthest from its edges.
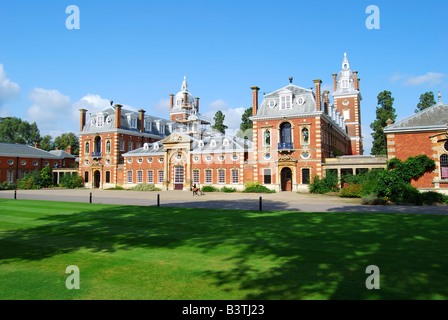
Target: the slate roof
(62, 154)
(222, 144)
(23, 150)
(109, 123)
(432, 118)
(308, 107)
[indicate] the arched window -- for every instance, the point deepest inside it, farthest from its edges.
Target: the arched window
(98, 144)
(87, 148)
(108, 146)
(285, 133)
(444, 166)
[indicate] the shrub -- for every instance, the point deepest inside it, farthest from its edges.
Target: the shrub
(327, 184)
(256, 187)
(7, 186)
(209, 189)
(372, 200)
(351, 191)
(227, 189)
(69, 181)
(432, 197)
(116, 188)
(145, 187)
(32, 180)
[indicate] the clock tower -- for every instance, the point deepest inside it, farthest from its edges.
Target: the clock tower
(347, 100)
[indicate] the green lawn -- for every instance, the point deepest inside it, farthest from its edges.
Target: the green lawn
(130, 252)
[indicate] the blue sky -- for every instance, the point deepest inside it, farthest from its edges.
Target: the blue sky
(137, 52)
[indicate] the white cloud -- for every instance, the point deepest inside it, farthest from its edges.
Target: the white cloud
(4, 112)
(430, 79)
(91, 102)
(232, 115)
(163, 106)
(51, 110)
(8, 89)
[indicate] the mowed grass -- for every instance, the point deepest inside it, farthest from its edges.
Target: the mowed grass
(130, 252)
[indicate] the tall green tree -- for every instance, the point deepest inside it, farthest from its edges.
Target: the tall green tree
(384, 111)
(219, 122)
(16, 130)
(426, 100)
(67, 139)
(47, 143)
(246, 123)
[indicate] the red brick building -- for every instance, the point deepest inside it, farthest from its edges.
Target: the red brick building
(294, 131)
(16, 160)
(425, 132)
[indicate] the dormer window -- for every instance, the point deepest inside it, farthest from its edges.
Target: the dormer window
(345, 83)
(158, 125)
(213, 143)
(201, 144)
(226, 142)
(285, 101)
(100, 120)
(132, 122)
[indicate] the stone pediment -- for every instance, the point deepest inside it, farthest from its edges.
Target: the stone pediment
(176, 138)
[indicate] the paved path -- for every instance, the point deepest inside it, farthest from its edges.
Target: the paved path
(283, 201)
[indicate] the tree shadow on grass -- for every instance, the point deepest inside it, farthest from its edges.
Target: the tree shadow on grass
(282, 255)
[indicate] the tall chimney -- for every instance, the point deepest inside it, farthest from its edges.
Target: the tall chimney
(36, 145)
(255, 100)
(335, 81)
(118, 116)
(69, 149)
(185, 98)
(358, 83)
(142, 120)
(197, 105)
(326, 93)
(317, 83)
(355, 80)
(171, 101)
(82, 119)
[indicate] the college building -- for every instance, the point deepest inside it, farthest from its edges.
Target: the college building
(295, 131)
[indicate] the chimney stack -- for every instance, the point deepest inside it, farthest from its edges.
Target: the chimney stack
(142, 120)
(82, 119)
(185, 98)
(326, 93)
(389, 122)
(197, 105)
(355, 80)
(69, 149)
(118, 116)
(335, 85)
(36, 145)
(255, 100)
(171, 101)
(317, 83)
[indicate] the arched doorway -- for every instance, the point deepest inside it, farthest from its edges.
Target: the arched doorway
(178, 178)
(286, 179)
(97, 179)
